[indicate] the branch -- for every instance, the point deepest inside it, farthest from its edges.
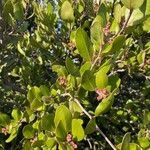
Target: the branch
(90, 117)
(125, 24)
(97, 128)
(97, 58)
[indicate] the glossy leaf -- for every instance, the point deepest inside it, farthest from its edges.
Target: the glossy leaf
(144, 142)
(77, 129)
(132, 4)
(101, 79)
(50, 142)
(64, 115)
(12, 135)
(72, 69)
(126, 142)
(88, 81)
(60, 130)
(18, 11)
(117, 13)
(47, 122)
(97, 33)
(141, 57)
(104, 106)
(28, 132)
(91, 126)
(118, 43)
(85, 67)
(67, 13)
(16, 114)
(83, 44)
(4, 119)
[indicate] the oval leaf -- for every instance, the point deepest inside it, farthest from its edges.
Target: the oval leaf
(77, 129)
(91, 126)
(88, 81)
(84, 44)
(105, 105)
(72, 69)
(64, 115)
(47, 122)
(132, 4)
(67, 13)
(28, 132)
(101, 79)
(126, 142)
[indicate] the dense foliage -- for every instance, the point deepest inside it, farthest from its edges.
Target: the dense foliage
(74, 74)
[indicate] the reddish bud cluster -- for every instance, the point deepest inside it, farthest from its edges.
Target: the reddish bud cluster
(106, 30)
(147, 61)
(5, 130)
(70, 141)
(71, 45)
(62, 81)
(33, 140)
(102, 94)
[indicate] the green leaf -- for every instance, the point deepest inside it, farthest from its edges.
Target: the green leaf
(60, 70)
(105, 105)
(134, 146)
(72, 69)
(114, 82)
(44, 90)
(74, 107)
(84, 44)
(118, 43)
(16, 114)
(20, 49)
(36, 105)
(132, 4)
(88, 81)
(28, 132)
(12, 135)
(4, 119)
(126, 142)
(141, 57)
(97, 33)
(33, 93)
(144, 142)
(117, 13)
(146, 25)
(64, 115)
(101, 79)
(85, 67)
(18, 11)
(77, 129)
(8, 11)
(91, 126)
(60, 130)
(47, 122)
(146, 118)
(50, 143)
(67, 13)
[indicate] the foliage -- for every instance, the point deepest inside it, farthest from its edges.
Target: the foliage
(74, 74)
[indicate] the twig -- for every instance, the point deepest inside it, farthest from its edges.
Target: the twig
(97, 58)
(125, 24)
(91, 117)
(89, 142)
(97, 128)
(86, 113)
(105, 137)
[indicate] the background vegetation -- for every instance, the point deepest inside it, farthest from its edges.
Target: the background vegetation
(74, 74)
